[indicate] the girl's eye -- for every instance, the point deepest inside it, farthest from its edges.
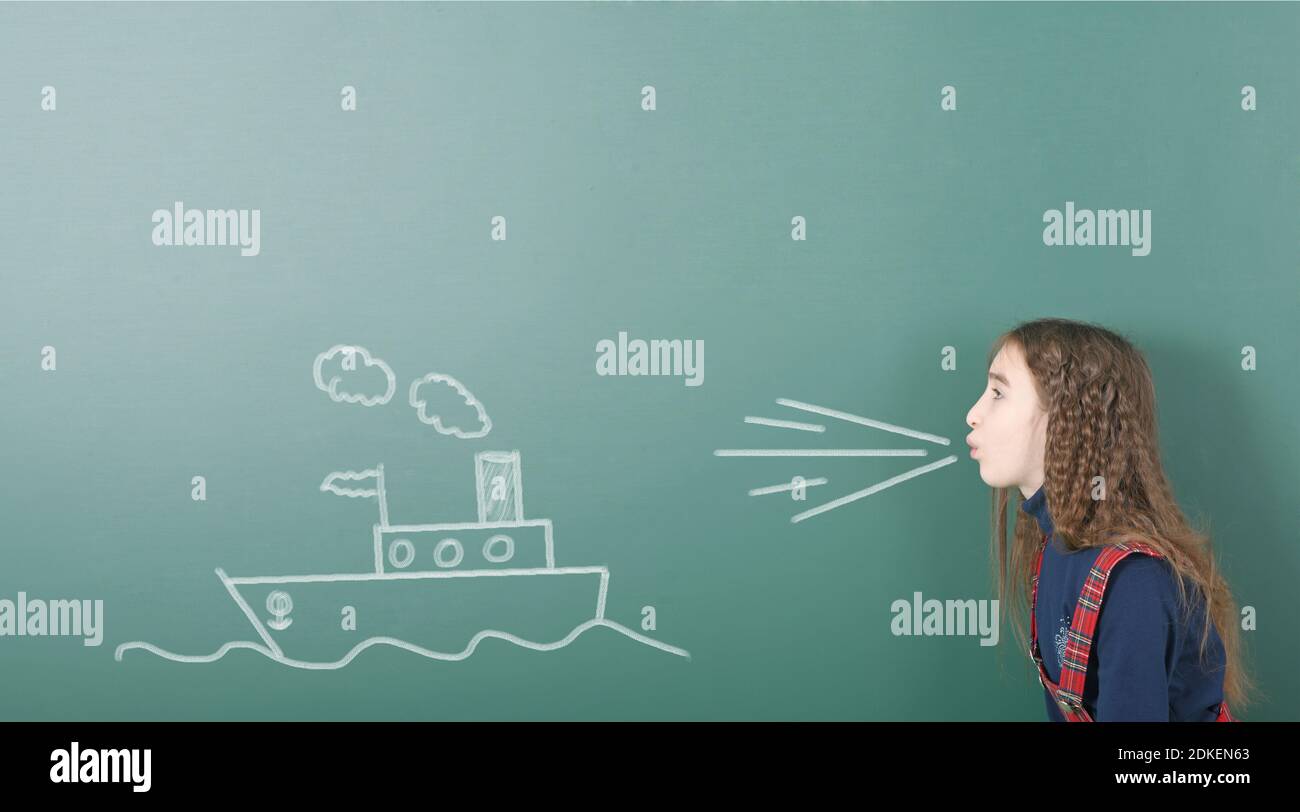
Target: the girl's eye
(997, 393)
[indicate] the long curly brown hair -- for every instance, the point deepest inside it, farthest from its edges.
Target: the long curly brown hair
(1101, 404)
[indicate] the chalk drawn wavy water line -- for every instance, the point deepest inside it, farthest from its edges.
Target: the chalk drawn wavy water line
(397, 643)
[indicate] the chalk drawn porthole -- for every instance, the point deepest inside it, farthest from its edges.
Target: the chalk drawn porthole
(505, 555)
(438, 558)
(407, 554)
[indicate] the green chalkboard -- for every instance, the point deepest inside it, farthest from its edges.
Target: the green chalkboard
(354, 356)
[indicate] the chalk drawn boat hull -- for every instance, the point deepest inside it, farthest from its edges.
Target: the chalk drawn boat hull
(322, 618)
(494, 584)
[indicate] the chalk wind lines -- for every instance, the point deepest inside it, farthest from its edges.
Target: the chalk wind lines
(787, 486)
(797, 482)
(820, 452)
(785, 424)
(878, 487)
(862, 421)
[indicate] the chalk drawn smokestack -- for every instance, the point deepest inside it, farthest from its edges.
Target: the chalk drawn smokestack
(500, 486)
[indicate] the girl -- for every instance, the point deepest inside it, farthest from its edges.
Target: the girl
(1119, 587)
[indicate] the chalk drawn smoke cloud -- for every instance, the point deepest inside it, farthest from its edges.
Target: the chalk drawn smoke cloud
(337, 373)
(428, 396)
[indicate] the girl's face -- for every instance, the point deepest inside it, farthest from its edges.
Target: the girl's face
(1009, 426)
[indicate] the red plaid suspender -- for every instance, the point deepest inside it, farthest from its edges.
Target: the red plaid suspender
(1068, 694)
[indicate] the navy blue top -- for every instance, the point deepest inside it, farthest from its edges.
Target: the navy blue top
(1145, 662)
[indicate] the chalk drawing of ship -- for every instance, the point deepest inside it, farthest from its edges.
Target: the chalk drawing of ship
(436, 589)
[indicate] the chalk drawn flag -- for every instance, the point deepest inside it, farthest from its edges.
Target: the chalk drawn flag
(372, 476)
